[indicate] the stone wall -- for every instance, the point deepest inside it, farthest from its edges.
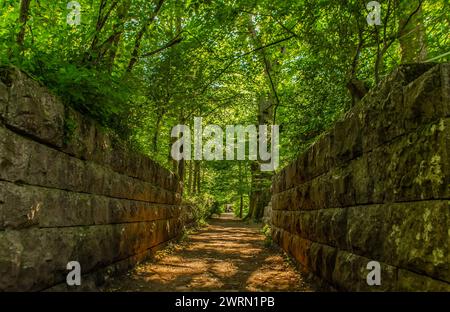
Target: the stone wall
(70, 192)
(375, 187)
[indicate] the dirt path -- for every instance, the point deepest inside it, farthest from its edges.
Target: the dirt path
(228, 255)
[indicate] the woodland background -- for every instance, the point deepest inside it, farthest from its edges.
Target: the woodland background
(141, 67)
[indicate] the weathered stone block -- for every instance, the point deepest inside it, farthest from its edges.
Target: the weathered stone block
(425, 99)
(445, 86)
(25, 267)
(291, 172)
(85, 140)
(330, 227)
(382, 118)
(318, 158)
(26, 206)
(300, 249)
(34, 110)
(350, 273)
(322, 260)
(409, 281)
(79, 135)
(276, 235)
(4, 97)
(30, 162)
(281, 185)
(316, 198)
(417, 237)
(306, 227)
(366, 230)
(414, 167)
(347, 139)
(408, 235)
(387, 162)
(381, 114)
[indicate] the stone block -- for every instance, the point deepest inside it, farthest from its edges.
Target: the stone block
(306, 227)
(33, 110)
(410, 281)
(300, 249)
(414, 167)
(366, 230)
(417, 237)
(322, 260)
(23, 160)
(426, 99)
(4, 97)
(301, 197)
(413, 235)
(316, 160)
(25, 206)
(382, 118)
(382, 108)
(347, 139)
(350, 274)
(330, 227)
(27, 268)
(79, 135)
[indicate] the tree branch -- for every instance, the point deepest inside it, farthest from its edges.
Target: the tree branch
(171, 43)
(140, 34)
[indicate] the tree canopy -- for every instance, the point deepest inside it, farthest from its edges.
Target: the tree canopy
(141, 67)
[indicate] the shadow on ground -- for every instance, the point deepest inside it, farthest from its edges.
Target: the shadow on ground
(228, 255)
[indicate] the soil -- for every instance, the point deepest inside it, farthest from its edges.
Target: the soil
(227, 255)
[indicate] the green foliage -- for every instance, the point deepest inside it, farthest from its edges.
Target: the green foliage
(204, 206)
(139, 76)
(267, 231)
(70, 126)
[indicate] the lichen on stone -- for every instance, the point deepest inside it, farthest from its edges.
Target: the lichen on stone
(431, 172)
(438, 256)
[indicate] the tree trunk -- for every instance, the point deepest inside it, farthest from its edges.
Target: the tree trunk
(241, 206)
(157, 129)
(140, 35)
(260, 192)
(199, 190)
(260, 183)
(93, 55)
(23, 19)
(196, 177)
(118, 29)
(412, 32)
(241, 191)
(189, 186)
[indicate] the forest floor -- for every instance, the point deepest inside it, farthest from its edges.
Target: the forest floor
(226, 255)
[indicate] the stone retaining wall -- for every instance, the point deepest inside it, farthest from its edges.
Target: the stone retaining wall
(375, 187)
(69, 192)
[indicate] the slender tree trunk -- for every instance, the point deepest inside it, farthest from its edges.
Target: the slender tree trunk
(354, 85)
(94, 54)
(196, 185)
(241, 191)
(241, 206)
(260, 184)
(157, 129)
(194, 175)
(118, 29)
(199, 177)
(412, 35)
(23, 19)
(170, 159)
(140, 35)
(189, 188)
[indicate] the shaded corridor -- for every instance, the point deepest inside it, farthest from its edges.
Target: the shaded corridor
(228, 255)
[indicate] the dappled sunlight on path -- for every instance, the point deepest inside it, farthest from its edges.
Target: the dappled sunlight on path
(227, 255)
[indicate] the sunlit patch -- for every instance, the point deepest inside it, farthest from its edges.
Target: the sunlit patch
(224, 257)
